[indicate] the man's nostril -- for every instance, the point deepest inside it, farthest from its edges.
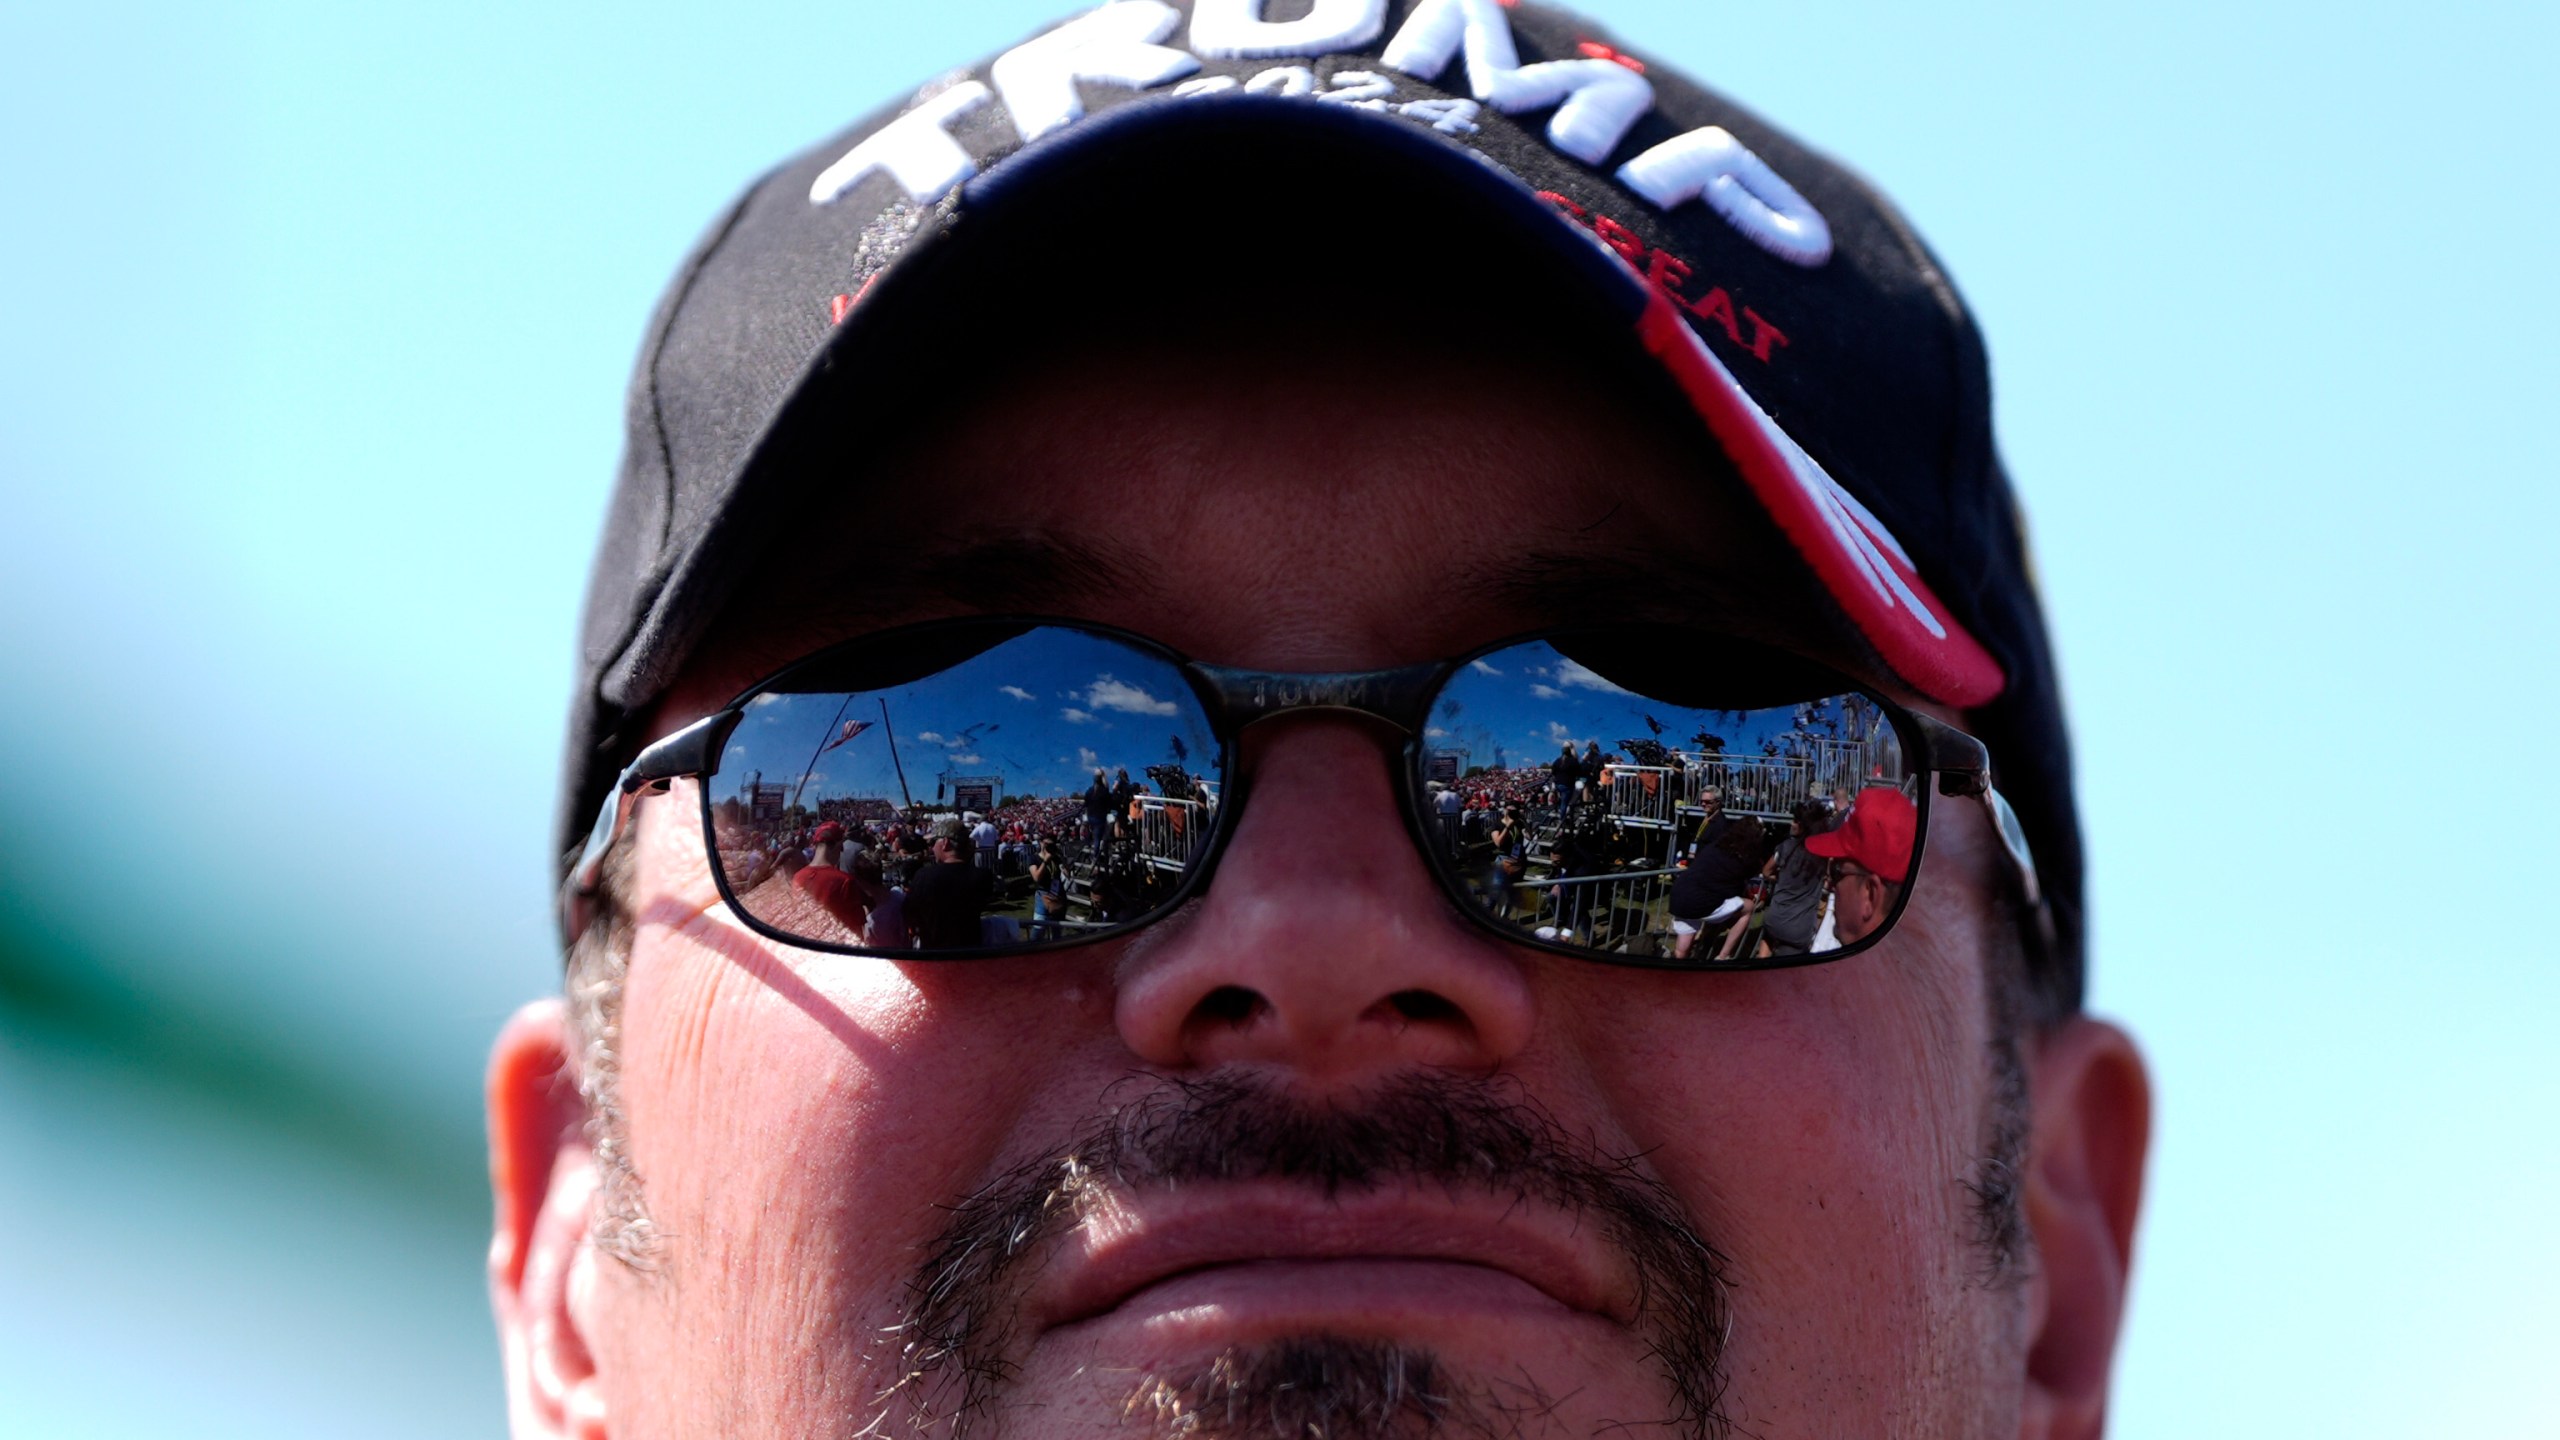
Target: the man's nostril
(1229, 1005)
(1422, 1005)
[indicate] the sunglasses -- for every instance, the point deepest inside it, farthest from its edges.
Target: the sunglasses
(1610, 794)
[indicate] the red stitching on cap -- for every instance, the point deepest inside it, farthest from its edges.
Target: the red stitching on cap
(842, 305)
(1762, 332)
(1594, 50)
(1668, 273)
(1716, 305)
(1621, 239)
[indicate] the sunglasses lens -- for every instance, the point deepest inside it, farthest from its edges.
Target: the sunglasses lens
(966, 788)
(1654, 798)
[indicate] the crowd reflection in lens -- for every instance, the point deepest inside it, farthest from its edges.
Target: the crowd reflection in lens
(1061, 785)
(1051, 787)
(868, 871)
(1667, 833)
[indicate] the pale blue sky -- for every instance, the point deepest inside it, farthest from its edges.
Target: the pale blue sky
(317, 322)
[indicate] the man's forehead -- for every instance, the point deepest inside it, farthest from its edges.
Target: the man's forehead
(1361, 513)
(1075, 577)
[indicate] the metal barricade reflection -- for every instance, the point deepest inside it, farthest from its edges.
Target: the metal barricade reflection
(1171, 830)
(1771, 786)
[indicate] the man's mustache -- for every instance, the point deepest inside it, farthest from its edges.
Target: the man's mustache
(1480, 1135)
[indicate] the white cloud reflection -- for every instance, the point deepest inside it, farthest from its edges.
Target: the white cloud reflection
(1108, 694)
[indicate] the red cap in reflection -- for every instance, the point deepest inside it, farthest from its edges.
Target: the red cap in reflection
(1878, 835)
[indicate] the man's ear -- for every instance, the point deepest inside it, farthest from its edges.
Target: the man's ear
(2091, 1129)
(541, 1266)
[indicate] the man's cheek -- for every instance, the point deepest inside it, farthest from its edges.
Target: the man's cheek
(807, 1113)
(1789, 1107)
(1819, 1160)
(727, 1084)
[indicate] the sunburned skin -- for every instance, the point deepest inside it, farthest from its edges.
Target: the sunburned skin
(1740, 1200)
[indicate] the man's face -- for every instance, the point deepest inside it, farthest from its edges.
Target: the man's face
(1315, 1155)
(1859, 899)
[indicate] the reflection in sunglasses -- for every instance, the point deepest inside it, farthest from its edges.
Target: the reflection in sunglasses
(1688, 838)
(1043, 784)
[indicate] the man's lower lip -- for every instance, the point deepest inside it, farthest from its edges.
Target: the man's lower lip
(1364, 1295)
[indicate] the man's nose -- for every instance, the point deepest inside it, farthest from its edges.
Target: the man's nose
(1322, 945)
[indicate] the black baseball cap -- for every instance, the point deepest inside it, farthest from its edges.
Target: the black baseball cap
(1775, 295)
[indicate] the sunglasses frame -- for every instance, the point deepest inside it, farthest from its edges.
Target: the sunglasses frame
(1235, 697)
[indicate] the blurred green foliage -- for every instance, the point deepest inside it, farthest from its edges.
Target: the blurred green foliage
(53, 993)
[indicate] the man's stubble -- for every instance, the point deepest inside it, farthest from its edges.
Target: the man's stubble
(1477, 1136)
